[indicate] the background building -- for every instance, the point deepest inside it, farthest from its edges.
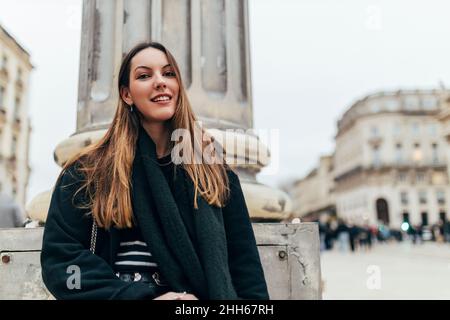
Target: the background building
(389, 163)
(15, 128)
(314, 194)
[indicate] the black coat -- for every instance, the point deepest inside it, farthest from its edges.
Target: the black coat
(66, 244)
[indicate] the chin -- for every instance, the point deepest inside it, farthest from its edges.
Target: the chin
(160, 116)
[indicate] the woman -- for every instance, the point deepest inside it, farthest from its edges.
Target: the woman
(126, 222)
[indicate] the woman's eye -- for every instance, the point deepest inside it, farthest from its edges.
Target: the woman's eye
(170, 74)
(143, 76)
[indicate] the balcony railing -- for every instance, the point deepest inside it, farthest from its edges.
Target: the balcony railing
(383, 166)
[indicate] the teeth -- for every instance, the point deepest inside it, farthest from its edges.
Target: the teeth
(162, 98)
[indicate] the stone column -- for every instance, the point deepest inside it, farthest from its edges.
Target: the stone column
(210, 40)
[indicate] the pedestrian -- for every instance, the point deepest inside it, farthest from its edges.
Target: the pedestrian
(446, 230)
(136, 217)
(343, 236)
(353, 236)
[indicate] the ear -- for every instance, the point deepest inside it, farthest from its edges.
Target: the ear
(126, 95)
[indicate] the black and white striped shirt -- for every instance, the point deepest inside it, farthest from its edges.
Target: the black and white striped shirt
(133, 254)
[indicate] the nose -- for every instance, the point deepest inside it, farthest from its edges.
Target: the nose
(160, 83)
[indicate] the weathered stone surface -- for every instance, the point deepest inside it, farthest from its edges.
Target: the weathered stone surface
(289, 254)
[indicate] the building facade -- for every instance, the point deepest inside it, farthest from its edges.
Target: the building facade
(389, 163)
(15, 128)
(314, 195)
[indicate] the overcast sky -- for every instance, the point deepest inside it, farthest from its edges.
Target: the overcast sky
(311, 59)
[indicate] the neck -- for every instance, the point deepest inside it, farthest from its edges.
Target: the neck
(159, 133)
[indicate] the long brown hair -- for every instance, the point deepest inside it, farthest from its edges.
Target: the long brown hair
(106, 165)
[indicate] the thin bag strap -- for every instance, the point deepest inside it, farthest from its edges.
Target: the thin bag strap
(93, 236)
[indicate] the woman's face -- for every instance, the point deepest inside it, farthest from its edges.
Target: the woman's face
(153, 86)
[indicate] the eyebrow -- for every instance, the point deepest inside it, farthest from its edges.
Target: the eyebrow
(145, 67)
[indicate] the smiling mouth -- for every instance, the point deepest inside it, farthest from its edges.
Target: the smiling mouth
(161, 98)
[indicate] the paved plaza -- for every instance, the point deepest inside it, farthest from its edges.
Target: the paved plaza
(388, 271)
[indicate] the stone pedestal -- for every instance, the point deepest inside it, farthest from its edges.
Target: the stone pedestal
(289, 256)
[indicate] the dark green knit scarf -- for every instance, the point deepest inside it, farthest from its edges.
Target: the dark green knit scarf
(200, 268)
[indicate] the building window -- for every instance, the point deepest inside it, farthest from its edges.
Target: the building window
(374, 131)
(398, 153)
(432, 128)
(422, 197)
(411, 103)
(440, 195)
(402, 176)
(14, 145)
(434, 154)
(376, 156)
(391, 104)
(396, 129)
(404, 198)
(2, 96)
(420, 177)
(415, 128)
(424, 216)
(17, 108)
(4, 62)
(417, 153)
(374, 106)
(429, 103)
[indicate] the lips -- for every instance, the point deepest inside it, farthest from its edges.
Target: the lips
(161, 98)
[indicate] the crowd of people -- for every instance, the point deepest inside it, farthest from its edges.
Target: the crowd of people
(347, 236)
